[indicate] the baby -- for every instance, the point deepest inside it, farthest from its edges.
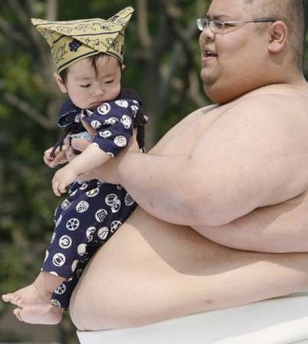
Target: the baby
(89, 59)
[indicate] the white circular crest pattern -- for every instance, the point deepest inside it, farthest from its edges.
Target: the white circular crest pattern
(82, 207)
(126, 121)
(105, 134)
(103, 233)
(104, 109)
(122, 103)
(82, 249)
(90, 232)
(58, 259)
(83, 186)
(61, 289)
(100, 215)
(72, 224)
(120, 141)
(95, 124)
(65, 204)
(65, 242)
(135, 109)
(92, 192)
(115, 225)
(111, 121)
(128, 200)
(74, 265)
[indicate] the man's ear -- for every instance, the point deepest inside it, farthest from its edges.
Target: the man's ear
(60, 82)
(278, 36)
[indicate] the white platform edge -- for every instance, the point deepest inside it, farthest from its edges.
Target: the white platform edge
(276, 321)
(283, 333)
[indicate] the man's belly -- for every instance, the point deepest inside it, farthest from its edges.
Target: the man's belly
(161, 271)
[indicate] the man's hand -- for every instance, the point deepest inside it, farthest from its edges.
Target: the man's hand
(62, 178)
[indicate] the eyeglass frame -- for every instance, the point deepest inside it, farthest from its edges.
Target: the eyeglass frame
(203, 23)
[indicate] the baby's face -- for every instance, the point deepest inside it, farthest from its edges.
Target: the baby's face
(88, 87)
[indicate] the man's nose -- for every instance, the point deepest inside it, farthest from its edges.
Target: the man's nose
(207, 34)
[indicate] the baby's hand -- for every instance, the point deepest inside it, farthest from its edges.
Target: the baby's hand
(48, 159)
(58, 158)
(62, 178)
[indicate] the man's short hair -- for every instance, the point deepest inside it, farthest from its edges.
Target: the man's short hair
(292, 13)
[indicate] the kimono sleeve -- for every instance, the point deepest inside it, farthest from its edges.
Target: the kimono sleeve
(114, 124)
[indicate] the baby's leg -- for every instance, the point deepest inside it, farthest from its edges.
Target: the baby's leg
(86, 220)
(33, 301)
(62, 295)
(37, 293)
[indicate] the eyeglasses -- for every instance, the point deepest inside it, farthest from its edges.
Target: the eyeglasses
(220, 26)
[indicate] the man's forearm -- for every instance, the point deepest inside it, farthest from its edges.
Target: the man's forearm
(160, 185)
(275, 229)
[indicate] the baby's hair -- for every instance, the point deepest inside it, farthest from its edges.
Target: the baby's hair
(93, 60)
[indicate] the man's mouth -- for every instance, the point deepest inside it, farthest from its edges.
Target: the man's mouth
(209, 53)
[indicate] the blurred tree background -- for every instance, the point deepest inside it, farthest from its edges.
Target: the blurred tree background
(162, 58)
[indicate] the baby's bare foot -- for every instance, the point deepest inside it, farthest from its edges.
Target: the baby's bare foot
(26, 296)
(43, 314)
(12, 298)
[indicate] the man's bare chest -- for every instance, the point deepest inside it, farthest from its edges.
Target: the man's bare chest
(184, 139)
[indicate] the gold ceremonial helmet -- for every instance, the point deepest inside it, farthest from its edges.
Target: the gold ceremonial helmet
(74, 40)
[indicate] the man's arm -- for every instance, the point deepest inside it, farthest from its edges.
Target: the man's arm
(254, 155)
(280, 228)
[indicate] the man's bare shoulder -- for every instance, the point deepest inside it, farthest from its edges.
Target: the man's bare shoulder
(263, 110)
(187, 123)
(279, 102)
(199, 113)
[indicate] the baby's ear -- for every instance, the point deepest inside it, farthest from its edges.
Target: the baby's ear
(123, 67)
(60, 82)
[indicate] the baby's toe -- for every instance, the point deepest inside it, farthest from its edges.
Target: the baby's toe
(17, 313)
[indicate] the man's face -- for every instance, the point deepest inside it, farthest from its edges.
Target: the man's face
(232, 58)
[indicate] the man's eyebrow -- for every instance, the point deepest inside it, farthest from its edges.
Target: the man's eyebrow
(217, 17)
